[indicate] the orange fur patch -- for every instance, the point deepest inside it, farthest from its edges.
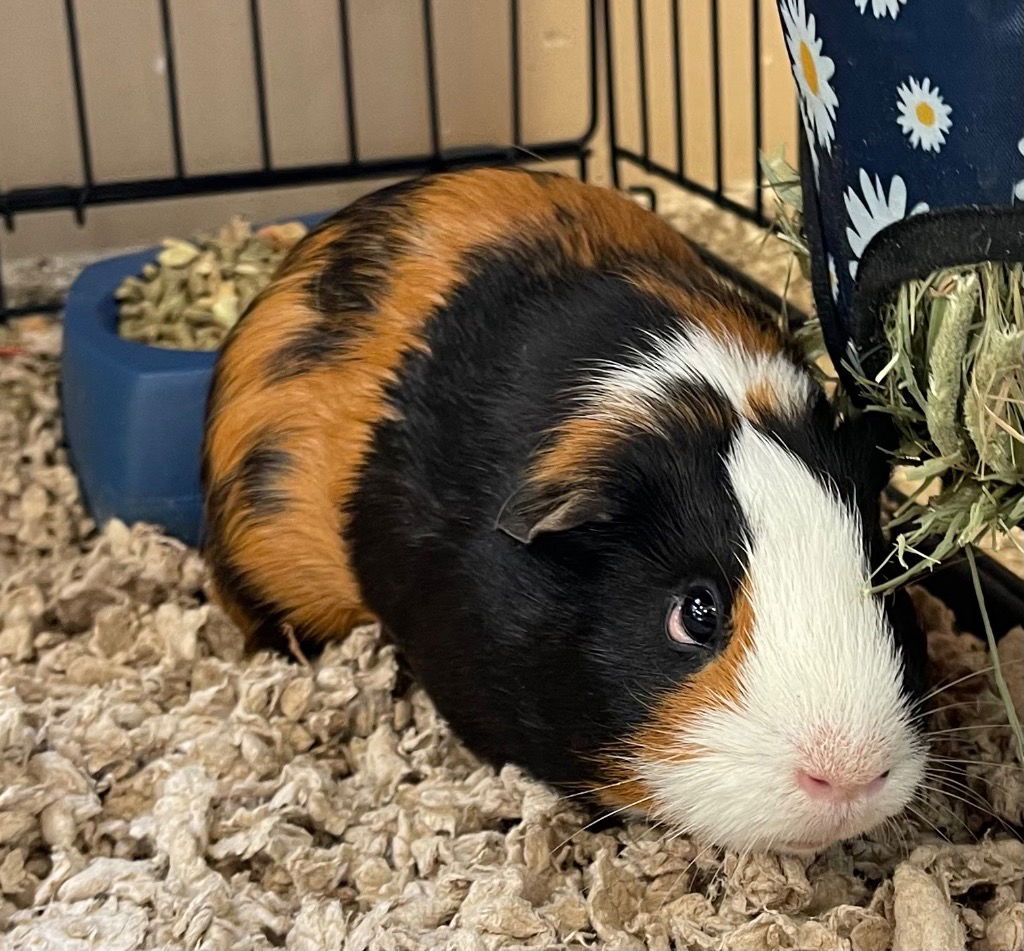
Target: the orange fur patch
(762, 401)
(582, 442)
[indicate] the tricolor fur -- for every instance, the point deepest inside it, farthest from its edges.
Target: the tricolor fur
(512, 416)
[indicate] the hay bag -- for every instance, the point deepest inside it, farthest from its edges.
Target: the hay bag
(912, 174)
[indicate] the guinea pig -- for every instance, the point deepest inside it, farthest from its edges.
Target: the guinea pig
(590, 492)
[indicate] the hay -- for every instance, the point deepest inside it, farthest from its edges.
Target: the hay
(953, 384)
(156, 790)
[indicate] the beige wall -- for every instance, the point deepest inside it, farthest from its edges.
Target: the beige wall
(126, 99)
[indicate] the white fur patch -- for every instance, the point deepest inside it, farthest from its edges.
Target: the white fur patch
(697, 356)
(820, 687)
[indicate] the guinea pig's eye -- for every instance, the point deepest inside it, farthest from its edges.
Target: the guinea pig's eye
(696, 617)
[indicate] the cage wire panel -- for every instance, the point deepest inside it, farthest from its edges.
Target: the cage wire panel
(393, 103)
(696, 90)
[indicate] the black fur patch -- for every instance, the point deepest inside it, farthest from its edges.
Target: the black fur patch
(564, 217)
(259, 477)
(354, 274)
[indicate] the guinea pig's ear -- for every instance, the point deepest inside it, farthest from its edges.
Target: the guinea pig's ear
(534, 510)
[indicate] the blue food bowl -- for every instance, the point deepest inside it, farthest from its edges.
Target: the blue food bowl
(133, 414)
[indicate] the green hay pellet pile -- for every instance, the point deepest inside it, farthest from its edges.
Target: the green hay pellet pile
(190, 297)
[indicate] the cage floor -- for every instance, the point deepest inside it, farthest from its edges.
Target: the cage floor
(156, 790)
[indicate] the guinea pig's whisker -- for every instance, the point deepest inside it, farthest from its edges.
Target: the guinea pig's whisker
(974, 673)
(704, 851)
(957, 783)
(926, 821)
(589, 791)
(672, 757)
(885, 830)
(677, 833)
(974, 762)
(897, 830)
(718, 874)
(602, 818)
(949, 776)
(944, 769)
(674, 760)
(661, 816)
(904, 837)
(968, 728)
(948, 809)
(942, 687)
(526, 151)
(641, 749)
(973, 804)
(901, 833)
(953, 706)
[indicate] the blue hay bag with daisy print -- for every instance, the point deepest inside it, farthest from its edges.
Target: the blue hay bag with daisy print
(913, 150)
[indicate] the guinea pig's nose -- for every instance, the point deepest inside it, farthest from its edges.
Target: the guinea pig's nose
(837, 789)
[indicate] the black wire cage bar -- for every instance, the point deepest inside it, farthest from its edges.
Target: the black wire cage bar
(92, 192)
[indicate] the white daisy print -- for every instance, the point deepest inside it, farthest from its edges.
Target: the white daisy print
(875, 212)
(881, 8)
(812, 71)
(924, 116)
(833, 278)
